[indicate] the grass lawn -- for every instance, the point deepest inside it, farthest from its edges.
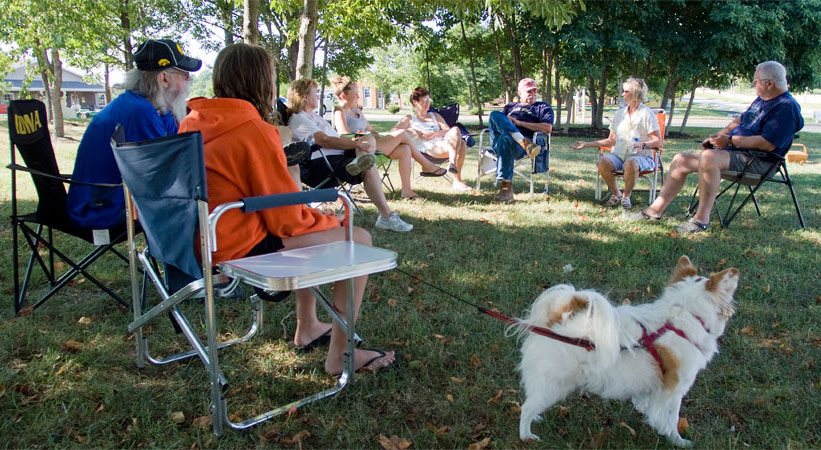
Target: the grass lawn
(68, 378)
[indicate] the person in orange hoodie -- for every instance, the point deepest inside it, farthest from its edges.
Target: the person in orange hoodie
(244, 158)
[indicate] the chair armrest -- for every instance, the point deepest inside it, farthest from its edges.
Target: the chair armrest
(253, 204)
(61, 178)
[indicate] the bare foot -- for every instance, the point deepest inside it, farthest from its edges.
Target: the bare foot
(459, 186)
(410, 196)
(305, 334)
(363, 360)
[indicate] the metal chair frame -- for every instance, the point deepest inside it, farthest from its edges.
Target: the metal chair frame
(487, 162)
(777, 174)
(286, 270)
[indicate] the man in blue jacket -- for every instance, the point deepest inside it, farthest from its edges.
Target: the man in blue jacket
(769, 125)
(151, 107)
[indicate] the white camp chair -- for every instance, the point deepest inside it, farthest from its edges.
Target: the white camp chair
(523, 167)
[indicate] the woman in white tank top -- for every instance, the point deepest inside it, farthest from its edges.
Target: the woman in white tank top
(434, 136)
(396, 144)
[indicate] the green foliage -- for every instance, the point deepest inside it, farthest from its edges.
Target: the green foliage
(393, 109)
(201, 84)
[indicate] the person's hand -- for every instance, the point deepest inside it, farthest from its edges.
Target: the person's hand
(415, 132)
(428, 135)
(578, 145)
(514, 121)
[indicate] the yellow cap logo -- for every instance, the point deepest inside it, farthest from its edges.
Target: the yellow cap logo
(179, 49)
(163, 62)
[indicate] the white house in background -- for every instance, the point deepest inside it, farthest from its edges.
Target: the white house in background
(77, 94)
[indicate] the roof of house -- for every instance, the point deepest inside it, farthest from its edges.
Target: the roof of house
(72, 81)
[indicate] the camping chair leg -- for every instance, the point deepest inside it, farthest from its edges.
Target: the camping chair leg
(18, 299)
(755, 201)
(329, 306)
(789, 183)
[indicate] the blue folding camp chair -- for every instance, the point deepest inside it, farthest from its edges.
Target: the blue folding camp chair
(166, 180)
(523, 167)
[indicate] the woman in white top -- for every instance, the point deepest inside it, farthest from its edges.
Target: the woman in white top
(350, 161)
(434, 137)
(633, 133)
(396, 144)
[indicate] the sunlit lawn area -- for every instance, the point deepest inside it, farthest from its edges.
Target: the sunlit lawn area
(68, 378)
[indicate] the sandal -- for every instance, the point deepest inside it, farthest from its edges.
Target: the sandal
(452, 168)
(691, 226)
(439, 172)
(640, 216)
(613, 201)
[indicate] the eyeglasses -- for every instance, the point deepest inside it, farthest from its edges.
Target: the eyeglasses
(759, 81)
(185, 75)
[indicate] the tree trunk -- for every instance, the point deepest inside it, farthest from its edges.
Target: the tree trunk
(592, 89)
(558, 111)
(475, 86)
(670, 118)
(502, 71)
(250, 21)
(324, 79)
(547, 69)
(125, 25)
(56, 87)
(689, 104)
(307, 37)
(671, 86)
(226, 10)
(570, 107)
(515, 51)
(646, 71)
(45, 71)
(107, 77)
(427, 70)
(597, 120)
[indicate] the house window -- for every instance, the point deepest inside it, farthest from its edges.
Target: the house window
(101, 100)
(7, 98)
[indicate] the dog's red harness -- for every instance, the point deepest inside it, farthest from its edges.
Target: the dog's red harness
(647, 340)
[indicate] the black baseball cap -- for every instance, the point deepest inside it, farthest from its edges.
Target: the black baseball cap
(164, 54)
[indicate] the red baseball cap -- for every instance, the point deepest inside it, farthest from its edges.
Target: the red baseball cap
(527, 84)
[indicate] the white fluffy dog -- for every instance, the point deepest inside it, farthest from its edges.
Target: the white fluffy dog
(648, 353)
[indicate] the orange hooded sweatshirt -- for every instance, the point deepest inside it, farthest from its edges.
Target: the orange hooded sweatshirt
(244, 158)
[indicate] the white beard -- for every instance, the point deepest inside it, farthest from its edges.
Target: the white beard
(176, 102)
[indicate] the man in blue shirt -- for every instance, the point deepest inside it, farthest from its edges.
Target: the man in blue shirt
(151, 107)
(769, 124)
(511, 132)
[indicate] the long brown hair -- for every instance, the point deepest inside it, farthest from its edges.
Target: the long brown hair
(247, 72)
(297, 91)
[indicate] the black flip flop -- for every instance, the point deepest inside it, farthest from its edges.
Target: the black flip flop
(452, 169)
(440, 172)
(309, 347)
(397, 362)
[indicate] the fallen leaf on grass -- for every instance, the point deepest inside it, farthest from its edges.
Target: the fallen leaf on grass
(598, 439)
(177, 417)
(496, 397)
(683, 425)
(632, 431)
(515, 408)
(563, 411)
(475, 361)
(449, 397)
(25, 312)
(101, 408)
(297, 439)
(479, 445)
(747, 331)
(767, 288)
(759, 401)
(72, 346)
(271, 436)
(456, 380)
(391, 302)
(203, 421)
(292, 411)
(84, 320)
(393, 443)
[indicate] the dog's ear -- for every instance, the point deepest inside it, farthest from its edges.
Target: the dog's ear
(683, 269)
(723, 283)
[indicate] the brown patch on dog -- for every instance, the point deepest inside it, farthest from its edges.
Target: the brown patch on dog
(575, 305)
(715, 279)
(669, 378)
(684, 268)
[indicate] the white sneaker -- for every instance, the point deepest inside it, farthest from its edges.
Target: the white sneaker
(626, 203)
(393, 223)
(360, 164)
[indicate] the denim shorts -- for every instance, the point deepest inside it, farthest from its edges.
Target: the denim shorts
(738, 160)
(645, 162)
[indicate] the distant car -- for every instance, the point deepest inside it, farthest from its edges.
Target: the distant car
(4, 108)
(327, 103)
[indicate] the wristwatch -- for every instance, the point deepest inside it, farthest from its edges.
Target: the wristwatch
(730, 141)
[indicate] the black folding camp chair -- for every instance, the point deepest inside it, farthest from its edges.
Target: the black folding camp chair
(28, 133)
(165, 178)
(753, 181)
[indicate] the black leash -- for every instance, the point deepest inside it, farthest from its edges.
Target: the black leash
(584, 343)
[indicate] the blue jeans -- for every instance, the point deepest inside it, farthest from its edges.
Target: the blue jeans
(506, 148)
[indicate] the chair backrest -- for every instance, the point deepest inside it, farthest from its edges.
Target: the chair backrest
(450, 113)
(166, 179)
(662, 118)
(28, 132)
(282, 109)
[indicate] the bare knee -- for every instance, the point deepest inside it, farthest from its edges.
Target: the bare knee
(361, 236)
(605, 166)
(708, 159)
(631, 166)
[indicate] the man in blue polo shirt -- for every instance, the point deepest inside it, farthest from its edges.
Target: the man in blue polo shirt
(151, 107)
(512, 130)
(769, 124)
